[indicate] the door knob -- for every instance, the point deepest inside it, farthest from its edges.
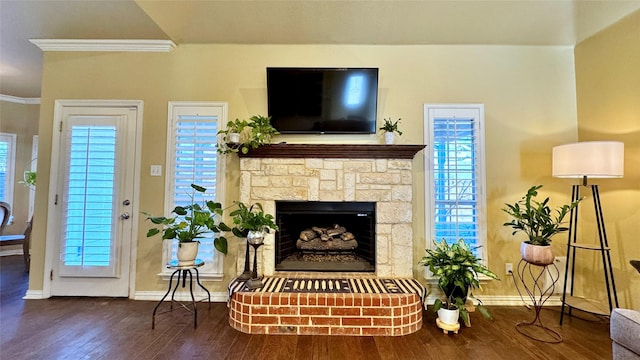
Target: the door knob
(125, 216)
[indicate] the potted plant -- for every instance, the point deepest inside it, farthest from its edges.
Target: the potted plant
(260, 134)
(537, 220)
(251, 218)
(457, 270)
(189, 224)
(252, 223)
(233, 130)
(390, 129)
(29, 179)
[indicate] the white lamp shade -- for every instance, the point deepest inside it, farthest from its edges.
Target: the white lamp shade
(594, 159)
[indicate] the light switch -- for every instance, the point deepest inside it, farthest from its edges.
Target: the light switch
(156, 170)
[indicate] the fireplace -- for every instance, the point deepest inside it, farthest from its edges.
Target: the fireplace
(336, 173)
(325, 236)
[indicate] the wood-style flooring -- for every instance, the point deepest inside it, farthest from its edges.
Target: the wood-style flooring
(109, 328)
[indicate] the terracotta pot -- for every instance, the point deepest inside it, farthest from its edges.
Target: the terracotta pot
(536, 254)
(187, 252)
(449, 317)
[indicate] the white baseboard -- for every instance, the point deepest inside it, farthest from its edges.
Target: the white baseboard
(11, 252)
(34, 295)
(180, 295)
(500, 300)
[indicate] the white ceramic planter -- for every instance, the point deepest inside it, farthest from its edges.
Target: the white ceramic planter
(389, 138)
(187, 252)
(449, 317)
(536, 254)
(234, 138)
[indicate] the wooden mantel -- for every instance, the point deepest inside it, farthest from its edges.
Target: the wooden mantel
(335, 151)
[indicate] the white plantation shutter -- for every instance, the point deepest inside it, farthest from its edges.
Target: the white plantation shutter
(7, 166)
(88, 228)
(194, 160)
(457, 204)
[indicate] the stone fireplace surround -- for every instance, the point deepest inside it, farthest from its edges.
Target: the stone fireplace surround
(336, 172)
(333, 173)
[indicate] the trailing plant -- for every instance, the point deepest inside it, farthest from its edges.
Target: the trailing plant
(260, 134)
(191, 222)
(536, 219)
(251, 218)
(233, 126)
(390, 126)
(457, 270)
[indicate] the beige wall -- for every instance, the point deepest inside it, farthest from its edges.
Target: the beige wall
(608, 98)
(528, 92)
(22, 120)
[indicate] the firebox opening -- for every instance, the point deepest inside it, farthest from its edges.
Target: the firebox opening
(325, 236)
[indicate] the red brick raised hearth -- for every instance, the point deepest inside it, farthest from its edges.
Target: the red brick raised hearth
(321, 313)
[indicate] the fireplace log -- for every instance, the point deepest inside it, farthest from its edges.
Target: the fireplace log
(347, 236)
(337, 230)
(307, 235)
(319, 245)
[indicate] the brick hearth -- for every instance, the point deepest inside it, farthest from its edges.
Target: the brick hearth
(367, 312)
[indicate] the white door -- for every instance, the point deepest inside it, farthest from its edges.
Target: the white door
(93, 194)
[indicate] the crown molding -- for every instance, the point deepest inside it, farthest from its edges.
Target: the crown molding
(104, 45)
(19, 100)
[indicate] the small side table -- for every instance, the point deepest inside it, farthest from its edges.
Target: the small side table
(532, 279)
(182, 272)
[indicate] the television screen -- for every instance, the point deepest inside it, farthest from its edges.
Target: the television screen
(323, 100)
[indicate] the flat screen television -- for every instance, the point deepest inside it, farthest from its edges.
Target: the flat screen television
(323, 100)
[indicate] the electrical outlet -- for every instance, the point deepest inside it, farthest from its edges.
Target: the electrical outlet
(508, 268)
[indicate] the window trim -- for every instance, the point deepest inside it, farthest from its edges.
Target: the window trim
(11, 167)
(432, 111)
(176, 108)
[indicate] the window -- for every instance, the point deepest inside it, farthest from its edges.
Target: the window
(192, 158)
(455, 175)
(33, 167)
(7, 166)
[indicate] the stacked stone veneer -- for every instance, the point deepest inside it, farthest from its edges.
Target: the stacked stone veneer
(387, 182)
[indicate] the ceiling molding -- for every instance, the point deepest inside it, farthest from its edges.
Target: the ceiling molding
(104, 45)
(20, 100)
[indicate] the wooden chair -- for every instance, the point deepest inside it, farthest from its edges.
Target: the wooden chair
(5, 213)
(19, 239)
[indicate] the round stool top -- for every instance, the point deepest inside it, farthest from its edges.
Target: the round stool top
(174, 264)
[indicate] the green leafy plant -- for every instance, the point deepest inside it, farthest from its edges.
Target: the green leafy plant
(391, 126)
(536, 218)
(29, 179)
(191, 222)
(457, 270)
(260, 134)
(251, 218)
(233, 126)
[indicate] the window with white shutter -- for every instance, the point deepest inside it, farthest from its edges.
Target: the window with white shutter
(456, 207)
(192, 158)
(7, 166)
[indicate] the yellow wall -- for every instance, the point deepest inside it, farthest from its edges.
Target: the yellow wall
(22, 120)
(528, 92)
(608, 98)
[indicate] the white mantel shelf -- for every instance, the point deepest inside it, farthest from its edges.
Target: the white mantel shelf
(335, 151)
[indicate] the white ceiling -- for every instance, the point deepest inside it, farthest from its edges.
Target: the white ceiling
(402, 22)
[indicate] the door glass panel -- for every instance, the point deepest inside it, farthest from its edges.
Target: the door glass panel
(88, 239)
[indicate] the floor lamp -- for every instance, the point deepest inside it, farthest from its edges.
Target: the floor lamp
(593, 159)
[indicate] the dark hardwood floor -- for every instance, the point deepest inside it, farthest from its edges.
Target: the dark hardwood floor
(107, 328)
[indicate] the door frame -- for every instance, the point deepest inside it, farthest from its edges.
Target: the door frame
(53, 227)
